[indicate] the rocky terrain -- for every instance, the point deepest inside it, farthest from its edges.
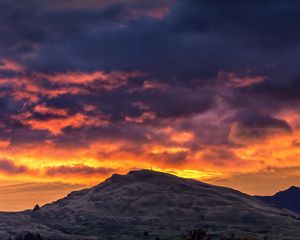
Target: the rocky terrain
(149, 205)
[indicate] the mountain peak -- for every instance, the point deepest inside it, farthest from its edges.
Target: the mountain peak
(142, 170)
(144, 178)
(148, 172)
(142, 175)
(293, 188)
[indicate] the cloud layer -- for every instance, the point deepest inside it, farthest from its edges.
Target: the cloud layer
(92, 87)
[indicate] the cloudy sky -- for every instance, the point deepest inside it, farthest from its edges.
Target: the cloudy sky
(208, 89)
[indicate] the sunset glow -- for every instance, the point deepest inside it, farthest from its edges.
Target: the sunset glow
(130, 85)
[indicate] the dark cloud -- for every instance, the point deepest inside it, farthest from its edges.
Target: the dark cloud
(178, 103)
(285, 92)
(86, 135)
(9, 167)
(169, 159)
(78, 170)
(256, 119)
(252, 126)
(221, 156)
(192, 40)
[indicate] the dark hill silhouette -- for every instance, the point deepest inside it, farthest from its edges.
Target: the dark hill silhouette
(289, 199)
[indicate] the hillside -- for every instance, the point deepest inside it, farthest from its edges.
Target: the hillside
(151, 204)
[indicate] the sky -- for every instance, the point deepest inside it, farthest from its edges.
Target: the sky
(205, 89)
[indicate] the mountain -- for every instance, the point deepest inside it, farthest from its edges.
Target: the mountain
(289, 199)
(147, 204)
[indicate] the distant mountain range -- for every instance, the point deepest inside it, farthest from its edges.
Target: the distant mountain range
(152, 205)
(289, 199)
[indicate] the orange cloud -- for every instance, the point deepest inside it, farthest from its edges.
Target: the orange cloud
(146, 116)
(47, 110)
(151, 84)
(28, 87)
(232, 80)
(55, 125)
(75, 77)
(7, 64)
(4, 143)
(105, 80)
(177, 136)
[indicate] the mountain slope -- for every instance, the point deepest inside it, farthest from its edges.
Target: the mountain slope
(289, 199)
(154, 204)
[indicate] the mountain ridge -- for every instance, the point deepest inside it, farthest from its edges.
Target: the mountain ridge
(288, 199)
